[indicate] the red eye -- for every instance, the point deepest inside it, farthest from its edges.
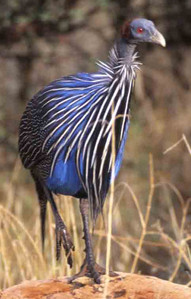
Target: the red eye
(140, 30)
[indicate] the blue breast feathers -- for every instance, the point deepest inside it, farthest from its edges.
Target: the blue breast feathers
(66, 106)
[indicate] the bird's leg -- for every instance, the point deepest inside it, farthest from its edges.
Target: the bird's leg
(88, 267)
(89, 259)
(62, 235)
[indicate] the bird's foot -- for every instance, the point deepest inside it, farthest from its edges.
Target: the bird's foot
(63, 239)
(102, 271)
(92, 272)
(87, 270)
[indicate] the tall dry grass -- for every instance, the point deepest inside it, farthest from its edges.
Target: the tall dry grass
(130, 234)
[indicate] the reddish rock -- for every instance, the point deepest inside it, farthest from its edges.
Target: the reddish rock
(129, 286)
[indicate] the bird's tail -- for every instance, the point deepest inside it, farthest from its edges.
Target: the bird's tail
(42, 198)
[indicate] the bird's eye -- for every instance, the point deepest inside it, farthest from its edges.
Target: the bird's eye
(140, 30)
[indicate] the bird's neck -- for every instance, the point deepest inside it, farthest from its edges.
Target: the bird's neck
(123, 51)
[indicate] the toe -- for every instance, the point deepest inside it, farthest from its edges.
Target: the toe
(58, 244)
(63, 239)
(97, 278)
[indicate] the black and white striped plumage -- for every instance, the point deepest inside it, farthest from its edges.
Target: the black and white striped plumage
(67, 128)
(70, 121)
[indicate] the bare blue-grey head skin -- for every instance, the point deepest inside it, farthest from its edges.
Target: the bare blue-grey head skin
(142, 30)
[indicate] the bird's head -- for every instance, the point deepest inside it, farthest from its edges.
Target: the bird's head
(142, 30)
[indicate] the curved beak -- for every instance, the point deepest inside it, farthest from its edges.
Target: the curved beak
(158, 38)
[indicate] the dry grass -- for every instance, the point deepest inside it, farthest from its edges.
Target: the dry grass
(20, 245)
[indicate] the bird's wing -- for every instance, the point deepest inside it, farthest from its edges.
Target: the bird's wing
(55, 117)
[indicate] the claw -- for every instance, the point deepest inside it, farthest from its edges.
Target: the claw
(64, 239)
(94, 272)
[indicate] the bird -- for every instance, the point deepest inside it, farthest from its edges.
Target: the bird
(67, 130)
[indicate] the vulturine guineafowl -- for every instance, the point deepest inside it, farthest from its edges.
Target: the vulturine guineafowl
(66, 132)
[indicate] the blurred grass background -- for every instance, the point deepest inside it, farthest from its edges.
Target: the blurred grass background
(44, 40)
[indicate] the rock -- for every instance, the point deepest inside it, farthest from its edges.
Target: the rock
(131, 286)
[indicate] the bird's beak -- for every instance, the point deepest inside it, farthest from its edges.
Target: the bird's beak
(158, 38)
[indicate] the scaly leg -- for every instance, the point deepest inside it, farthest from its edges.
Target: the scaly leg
(88, 267)
(62, 235)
